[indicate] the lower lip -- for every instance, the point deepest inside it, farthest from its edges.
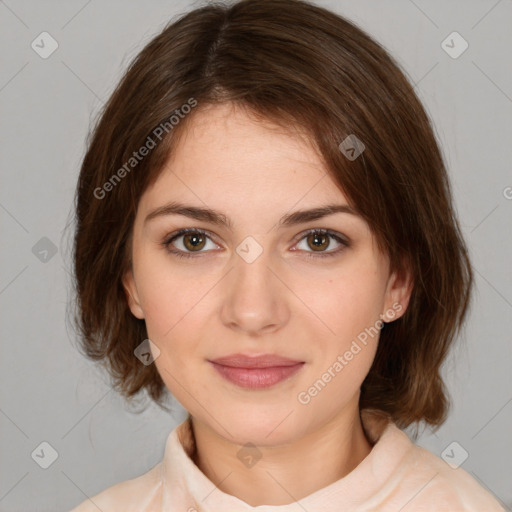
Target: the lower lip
(256, 378)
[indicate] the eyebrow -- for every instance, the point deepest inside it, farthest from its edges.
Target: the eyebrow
(219, 219)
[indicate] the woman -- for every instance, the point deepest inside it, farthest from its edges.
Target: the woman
(265, 229)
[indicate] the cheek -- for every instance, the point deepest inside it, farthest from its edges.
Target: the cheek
(172, 313)
(174, 305)
(349, 308)
(348, 303)
(167, 297)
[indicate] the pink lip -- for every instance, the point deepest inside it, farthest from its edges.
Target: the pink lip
(256, 372)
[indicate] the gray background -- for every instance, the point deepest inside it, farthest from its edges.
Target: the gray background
(51, 393)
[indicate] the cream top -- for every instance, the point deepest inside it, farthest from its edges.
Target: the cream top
(397, 475)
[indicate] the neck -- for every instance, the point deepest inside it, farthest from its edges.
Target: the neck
(284, 473)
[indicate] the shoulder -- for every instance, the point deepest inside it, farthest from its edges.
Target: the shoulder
(413, 478)
(139, 494)
(448, 488)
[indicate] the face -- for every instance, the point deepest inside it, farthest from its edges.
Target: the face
(257, 286)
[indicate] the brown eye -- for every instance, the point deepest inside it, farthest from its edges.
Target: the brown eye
(318, 241)
(188, 241)
(194, 241)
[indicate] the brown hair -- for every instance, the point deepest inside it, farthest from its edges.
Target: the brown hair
(302, 66)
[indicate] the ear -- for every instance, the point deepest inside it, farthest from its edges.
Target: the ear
(398, 293)
(132, 295)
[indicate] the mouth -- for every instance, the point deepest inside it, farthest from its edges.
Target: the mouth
(259, 372)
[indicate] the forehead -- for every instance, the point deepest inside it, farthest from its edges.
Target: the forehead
(225, 152)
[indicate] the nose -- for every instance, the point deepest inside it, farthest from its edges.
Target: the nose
(255, 301)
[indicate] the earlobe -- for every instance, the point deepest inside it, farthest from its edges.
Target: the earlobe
(132, 295)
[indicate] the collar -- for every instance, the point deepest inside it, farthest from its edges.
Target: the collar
(186, 487)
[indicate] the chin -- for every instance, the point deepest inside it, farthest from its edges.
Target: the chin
(262, 425)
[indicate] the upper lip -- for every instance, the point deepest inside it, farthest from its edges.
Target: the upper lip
(263, 361)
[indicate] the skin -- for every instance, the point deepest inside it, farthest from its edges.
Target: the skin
(216, 303)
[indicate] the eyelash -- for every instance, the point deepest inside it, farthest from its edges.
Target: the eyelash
(181, 254)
